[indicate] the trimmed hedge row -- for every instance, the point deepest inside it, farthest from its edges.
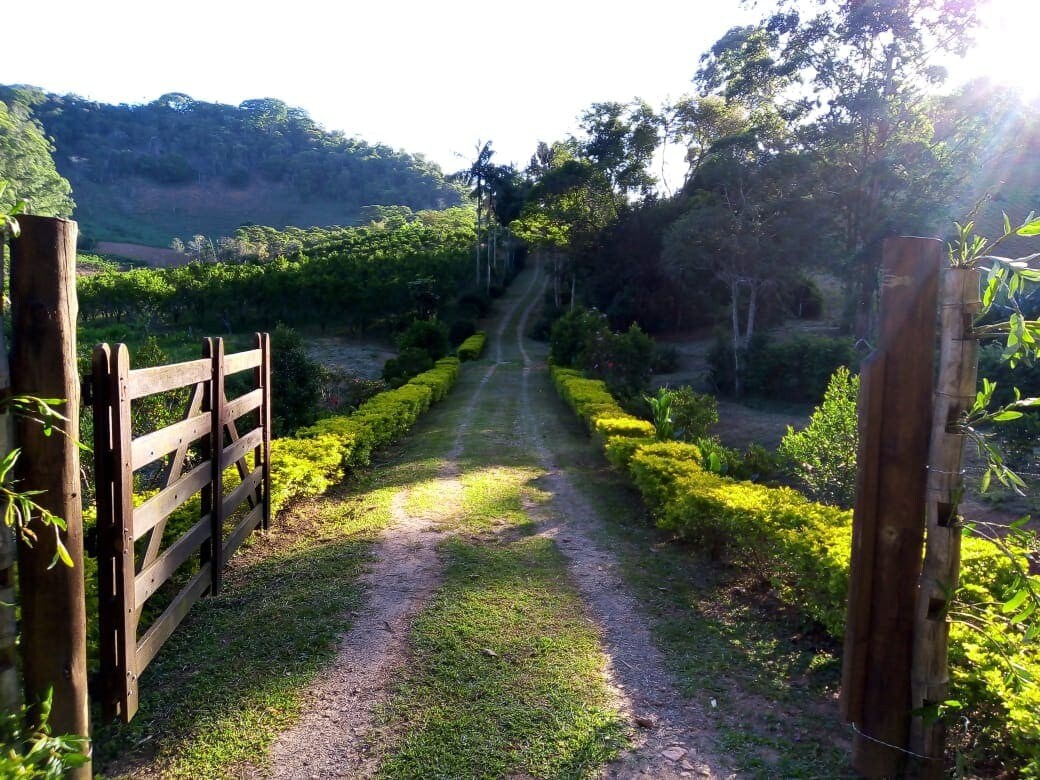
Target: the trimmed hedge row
(318, 456)
(803, 549)
(473, 347)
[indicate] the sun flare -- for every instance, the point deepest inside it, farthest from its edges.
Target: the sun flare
(1006, 47)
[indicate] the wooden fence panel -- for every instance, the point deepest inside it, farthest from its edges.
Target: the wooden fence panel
(209, 424)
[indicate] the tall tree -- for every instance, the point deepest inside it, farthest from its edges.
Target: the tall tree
(26, 164)
(751, 223)
(620, 141)
(850, 81)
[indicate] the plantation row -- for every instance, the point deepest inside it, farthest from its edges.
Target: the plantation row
(355, 277)
(803, 549)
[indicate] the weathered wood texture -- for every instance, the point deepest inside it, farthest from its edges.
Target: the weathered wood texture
(43, 364)
(888, 528)
(10, 689)
(209, 419)
(955, 393)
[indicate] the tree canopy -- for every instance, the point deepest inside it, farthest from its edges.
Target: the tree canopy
(27, 166)
(198, 167)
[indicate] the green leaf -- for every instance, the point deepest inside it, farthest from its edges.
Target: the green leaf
(1015, 601)
(61, 552)
(1025, 614)
(1005, 416)
(1030, 228)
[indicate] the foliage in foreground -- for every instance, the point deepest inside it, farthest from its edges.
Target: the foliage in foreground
(803, 548)
(37, 755)
(822, 456)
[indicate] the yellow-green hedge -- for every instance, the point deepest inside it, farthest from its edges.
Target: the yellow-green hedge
(473, 347)
(803, 548)
(316, 457)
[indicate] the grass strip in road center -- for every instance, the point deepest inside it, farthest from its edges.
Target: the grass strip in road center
(506, 677)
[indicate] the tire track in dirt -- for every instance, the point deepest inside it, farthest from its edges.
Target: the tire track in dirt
(336, 735)
(677, 744)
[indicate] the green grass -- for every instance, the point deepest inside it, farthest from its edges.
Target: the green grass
(230, 679)
(773, 678)
(507, 675)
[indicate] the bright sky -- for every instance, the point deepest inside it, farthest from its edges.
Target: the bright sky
(429, 77)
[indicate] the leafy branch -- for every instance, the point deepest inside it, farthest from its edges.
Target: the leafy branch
(1016, 620)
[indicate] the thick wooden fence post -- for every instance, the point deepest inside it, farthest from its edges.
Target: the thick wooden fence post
(888, 527)
(43, 364)
(10, 693)
(958, 377)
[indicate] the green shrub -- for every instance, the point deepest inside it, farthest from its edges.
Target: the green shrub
(620, 449)
(666, 359)
(296, 382)
(622, 426)
(473, 347)
(431, 336)
(794, 370)
(693, 413)
(583, 339)
(803, 548)
(822, 456)
(410, 362)
(572, 333)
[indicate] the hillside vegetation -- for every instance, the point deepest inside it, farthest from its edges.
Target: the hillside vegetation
(181, 167)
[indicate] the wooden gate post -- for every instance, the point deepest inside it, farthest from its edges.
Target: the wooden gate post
(888, 527)
(957, 382)
(43, 364)
(10, 687)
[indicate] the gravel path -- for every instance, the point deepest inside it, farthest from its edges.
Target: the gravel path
(671, 738)
(338, 736)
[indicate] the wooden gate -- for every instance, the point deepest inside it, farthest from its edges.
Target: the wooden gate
(136, 555)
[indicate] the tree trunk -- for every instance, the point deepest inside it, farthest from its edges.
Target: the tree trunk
(556, 280)
(734, 294)
(752, 310)
(477, 246)
(574, 284)
(955, 393)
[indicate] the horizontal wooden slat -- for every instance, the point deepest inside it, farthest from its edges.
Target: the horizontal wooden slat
(153, 446)
(240, 361)
(149, 580)
(242, 530)
(237, 450)
(241, 491)
(159, 506)
(243, 404)
(148, 381)
(161, 629)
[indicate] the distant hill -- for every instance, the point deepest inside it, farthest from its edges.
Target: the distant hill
(146, 173)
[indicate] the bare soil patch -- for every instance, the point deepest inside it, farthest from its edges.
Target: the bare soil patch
(152, 255)
(360, 358)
